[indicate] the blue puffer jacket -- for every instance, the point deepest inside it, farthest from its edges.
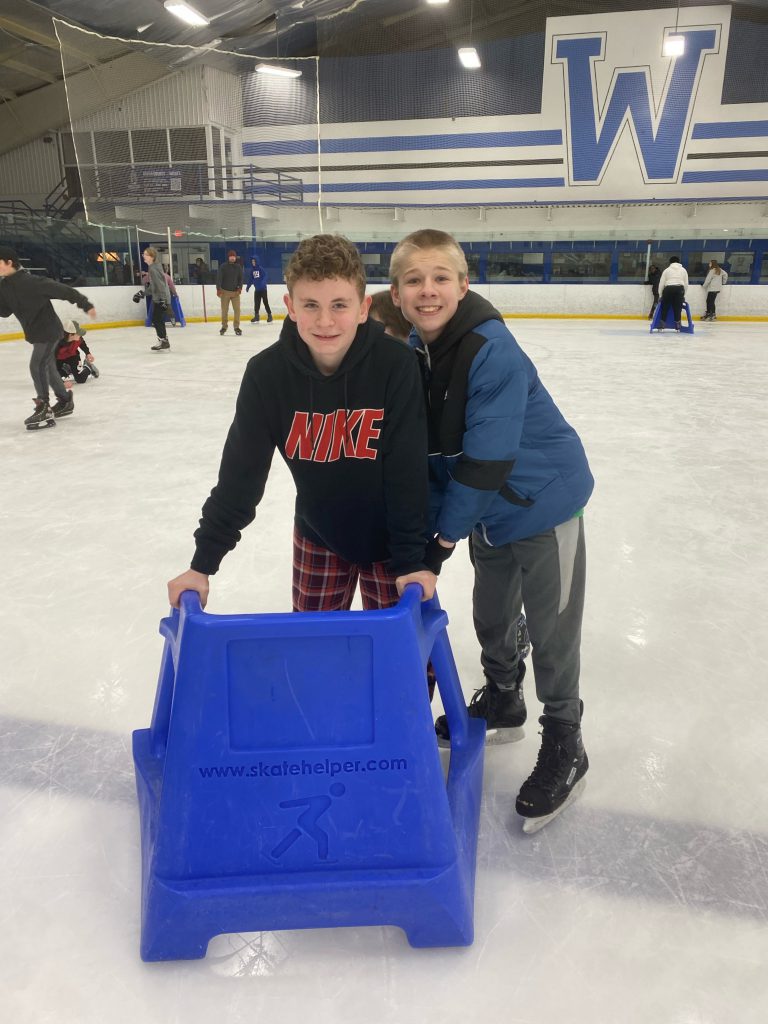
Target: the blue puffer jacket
(502, 456)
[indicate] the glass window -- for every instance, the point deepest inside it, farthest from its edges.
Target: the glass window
(112, 147)
(188, 144)
(473, 266)
(739, 265)
(516, 266)
(77, 147)
(698, 263)
(632, 266)
(150, 146)
(589, 267)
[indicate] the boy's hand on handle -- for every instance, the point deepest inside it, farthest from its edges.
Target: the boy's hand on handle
(189, 580)
(426, 580)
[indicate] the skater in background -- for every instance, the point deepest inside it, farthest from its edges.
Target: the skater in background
(68, 356)
(229, 284)
(28, 298)
(672, 285)
(342, 403)
(257, 279)
(157, 288)
(386, 312)
(713, 285)
(654, 275)
(508, 471)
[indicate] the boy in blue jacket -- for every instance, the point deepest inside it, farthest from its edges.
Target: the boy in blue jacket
(507, 471)
(257, 278)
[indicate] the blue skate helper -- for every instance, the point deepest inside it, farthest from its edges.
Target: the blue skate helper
(290, 778)
(173, 315)
(669, 323)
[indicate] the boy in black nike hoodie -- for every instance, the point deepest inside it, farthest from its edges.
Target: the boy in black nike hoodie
(342, 403)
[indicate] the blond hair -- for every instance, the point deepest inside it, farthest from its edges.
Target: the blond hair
(428, 238)
(151, 252)
(323, 257)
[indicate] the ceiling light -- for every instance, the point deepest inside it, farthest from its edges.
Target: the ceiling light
(468, 57)
(674, 46)
(143, 28)
(185, 12)
(274, 69)
(438, 3)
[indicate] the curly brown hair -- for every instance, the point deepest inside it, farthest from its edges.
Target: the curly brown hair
(325, 256)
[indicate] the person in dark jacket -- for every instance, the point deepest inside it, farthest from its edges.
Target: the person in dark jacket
(508, 471)
(28, 298)
(257, 278)
(654, 276)
(341, 402)
(229, 284)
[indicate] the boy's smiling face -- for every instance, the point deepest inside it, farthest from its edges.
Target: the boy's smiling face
(327, 314)
(429, 291)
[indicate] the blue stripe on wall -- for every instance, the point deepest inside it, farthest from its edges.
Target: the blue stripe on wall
(395, 143)
(421, 186)
(730, 129)
(691, 176)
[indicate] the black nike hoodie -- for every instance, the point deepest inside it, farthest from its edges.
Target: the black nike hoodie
(355, 443)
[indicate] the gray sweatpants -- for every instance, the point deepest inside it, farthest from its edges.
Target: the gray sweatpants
(43, 370)
(546, 573)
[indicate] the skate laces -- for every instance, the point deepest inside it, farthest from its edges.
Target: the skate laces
(480, 701)
(549, 763)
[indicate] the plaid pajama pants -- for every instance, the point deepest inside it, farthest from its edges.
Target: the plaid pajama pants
(324, 582)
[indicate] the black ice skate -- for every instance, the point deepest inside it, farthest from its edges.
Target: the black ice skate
(64, 406)
(41, 418)
(223, 330)
(503, 710)
(93, 369)
(238, 332)
(255, 319)
(269, 319)
(162, 345)
(558, 778)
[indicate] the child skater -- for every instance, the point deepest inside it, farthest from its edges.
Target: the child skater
(257, 278)
(509, 472)
(28, 298)
(68, 355)
(342, 404)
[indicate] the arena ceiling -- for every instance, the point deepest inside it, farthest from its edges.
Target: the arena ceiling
(31, 91)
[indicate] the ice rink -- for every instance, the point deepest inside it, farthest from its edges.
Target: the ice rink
(646, 902)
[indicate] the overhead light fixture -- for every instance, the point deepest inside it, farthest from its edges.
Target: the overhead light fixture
(185, 12)
(143, 28)
(438, 3)
(674, 43)
(674, 46)
(469, 57)
(274, 69)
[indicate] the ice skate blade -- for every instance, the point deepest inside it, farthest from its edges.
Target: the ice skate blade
(493, 738)
(531, 825)
(41, 426)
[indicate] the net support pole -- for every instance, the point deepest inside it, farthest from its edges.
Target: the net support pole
(647, 260)
(103, 254)
(170, 251)
(130, 253)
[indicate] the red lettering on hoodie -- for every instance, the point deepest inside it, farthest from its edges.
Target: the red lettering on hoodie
(333, 434)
